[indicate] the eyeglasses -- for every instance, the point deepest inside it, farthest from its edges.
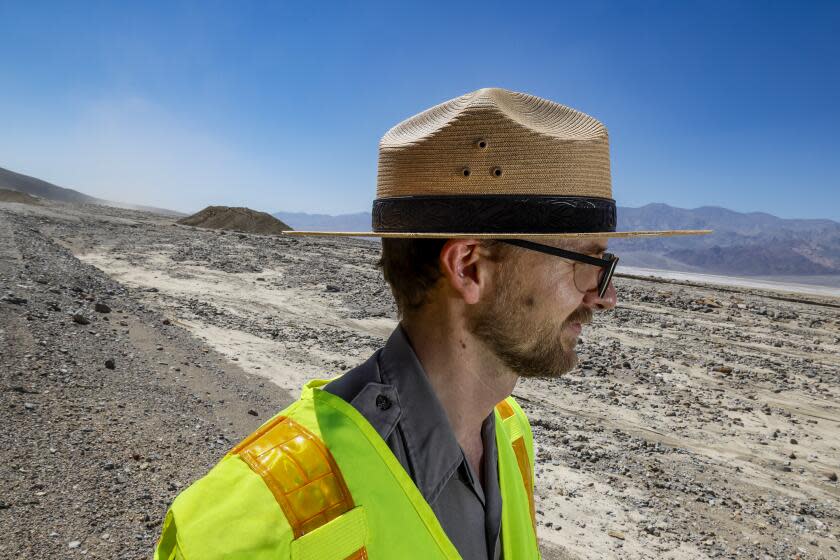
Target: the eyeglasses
(590, 272)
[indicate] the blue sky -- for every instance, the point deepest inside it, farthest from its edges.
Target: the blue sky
(184, 104)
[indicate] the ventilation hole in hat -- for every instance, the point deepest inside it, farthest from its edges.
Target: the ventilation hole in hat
(497, 171)
(466, 171)
(481, 143)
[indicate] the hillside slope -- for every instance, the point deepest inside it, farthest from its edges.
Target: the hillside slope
(37, 187)
(19, 182)
(15, 196)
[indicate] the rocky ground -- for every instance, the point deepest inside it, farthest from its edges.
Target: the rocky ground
(704, 422)
(108, 408)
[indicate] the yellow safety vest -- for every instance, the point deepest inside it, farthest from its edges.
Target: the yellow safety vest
(317, 482)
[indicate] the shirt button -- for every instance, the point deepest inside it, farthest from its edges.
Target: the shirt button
(383, 402)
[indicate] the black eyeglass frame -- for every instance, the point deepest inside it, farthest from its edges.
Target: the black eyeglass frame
(608, 264)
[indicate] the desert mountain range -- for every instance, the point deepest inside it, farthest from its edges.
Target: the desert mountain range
(743, 244)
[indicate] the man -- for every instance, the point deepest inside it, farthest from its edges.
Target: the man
(495, 209)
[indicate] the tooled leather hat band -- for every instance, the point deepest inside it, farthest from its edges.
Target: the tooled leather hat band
(494, 214)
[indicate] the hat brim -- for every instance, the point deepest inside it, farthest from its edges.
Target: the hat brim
(440, 235)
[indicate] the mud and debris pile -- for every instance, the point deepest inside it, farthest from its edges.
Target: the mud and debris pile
(237, 219)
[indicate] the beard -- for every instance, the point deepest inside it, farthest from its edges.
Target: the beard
(507, 327)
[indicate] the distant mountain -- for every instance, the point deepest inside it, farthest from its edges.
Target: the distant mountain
(359, 221)
(42, 189)
(753, 243)
(662, 216)
(743, 244)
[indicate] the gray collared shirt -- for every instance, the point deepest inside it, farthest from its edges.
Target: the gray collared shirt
(392, 392)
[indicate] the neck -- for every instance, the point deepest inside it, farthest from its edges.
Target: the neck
(468, 380)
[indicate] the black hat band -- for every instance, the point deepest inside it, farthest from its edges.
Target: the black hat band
(494, 214)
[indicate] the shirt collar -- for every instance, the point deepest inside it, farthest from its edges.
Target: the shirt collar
(433, 452)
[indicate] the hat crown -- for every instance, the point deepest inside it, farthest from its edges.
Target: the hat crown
(531, 112)
(494, 141)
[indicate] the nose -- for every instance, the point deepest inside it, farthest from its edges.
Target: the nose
(609, 300)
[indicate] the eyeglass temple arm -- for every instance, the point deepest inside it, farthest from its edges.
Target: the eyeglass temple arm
(558, 252)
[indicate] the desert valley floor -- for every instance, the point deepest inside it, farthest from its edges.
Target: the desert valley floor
(703, 421)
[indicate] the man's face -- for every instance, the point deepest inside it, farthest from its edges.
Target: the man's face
(533, 320)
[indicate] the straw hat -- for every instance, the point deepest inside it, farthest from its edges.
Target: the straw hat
(496, 164)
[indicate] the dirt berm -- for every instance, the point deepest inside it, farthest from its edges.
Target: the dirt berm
(235, 219)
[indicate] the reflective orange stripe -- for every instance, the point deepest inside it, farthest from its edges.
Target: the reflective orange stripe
(360, 554)
(506, 411)
(301, 474)
(525, 471)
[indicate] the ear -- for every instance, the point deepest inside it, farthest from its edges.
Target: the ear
(459, 264)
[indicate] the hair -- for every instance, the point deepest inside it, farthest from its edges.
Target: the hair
(411, 267)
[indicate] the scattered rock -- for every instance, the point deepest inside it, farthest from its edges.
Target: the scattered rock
(623, 430)
(80, 319)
